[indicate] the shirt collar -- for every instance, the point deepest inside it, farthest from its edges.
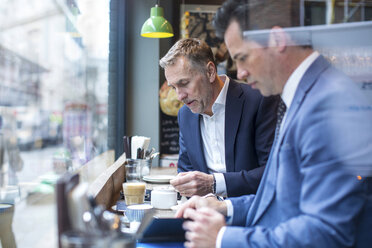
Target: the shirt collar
(293, 81)
(220, 102)
(221, 99)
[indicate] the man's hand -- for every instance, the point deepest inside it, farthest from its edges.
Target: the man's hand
(203, 230)
(193, 183)
(197, 202)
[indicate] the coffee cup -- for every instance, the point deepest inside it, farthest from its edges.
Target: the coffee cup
(134, 192)
(137, 211)
(163, 198)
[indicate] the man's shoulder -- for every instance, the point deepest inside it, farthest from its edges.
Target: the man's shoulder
(333, 84)
(184, 110)
(184, 114)
(243, 90)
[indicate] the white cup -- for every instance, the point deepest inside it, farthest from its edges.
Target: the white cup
(163, 198)
(135, 213)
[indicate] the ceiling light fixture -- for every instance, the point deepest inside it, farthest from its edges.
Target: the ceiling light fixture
(157, 26)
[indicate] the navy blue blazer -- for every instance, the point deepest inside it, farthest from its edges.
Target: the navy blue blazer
(249, 130)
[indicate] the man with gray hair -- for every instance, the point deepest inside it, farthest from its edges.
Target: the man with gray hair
(226, 128)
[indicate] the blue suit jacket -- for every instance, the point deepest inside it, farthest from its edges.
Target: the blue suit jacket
(309, 195)
(249, 130)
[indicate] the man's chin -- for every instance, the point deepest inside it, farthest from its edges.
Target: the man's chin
(255, 86)
(263, 91)
(196, 111)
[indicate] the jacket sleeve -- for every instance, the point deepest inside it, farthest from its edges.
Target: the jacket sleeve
(249, 179)
(184, 163)
(325, 226)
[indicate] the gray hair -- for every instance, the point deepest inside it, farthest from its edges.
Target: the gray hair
(195, 50)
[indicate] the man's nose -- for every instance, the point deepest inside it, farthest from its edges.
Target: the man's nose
(178, 92)
(181, 95)
(242, 73)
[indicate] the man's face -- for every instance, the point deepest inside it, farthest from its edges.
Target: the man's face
(192, 86)
(255, 63)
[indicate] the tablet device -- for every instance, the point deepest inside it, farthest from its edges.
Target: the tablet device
(153, 229)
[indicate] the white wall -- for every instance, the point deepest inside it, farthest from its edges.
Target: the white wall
(144, 72)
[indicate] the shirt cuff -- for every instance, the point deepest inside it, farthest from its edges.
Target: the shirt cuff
(220, 184)
(219, 237)
(230, 212)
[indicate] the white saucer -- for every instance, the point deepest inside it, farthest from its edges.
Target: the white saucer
(158, 178)
(175, 207)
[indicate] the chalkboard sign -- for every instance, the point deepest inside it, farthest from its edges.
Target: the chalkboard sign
(169, 133)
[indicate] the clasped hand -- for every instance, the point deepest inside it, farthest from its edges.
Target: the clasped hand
(206, 219)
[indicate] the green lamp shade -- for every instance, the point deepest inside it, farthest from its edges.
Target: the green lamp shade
(156, 26)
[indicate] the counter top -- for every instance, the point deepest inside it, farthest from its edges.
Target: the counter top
(35, 221)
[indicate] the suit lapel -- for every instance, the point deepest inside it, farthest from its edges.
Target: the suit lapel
(307, 82)
(266, 191)
(196, 139)
(233, 113)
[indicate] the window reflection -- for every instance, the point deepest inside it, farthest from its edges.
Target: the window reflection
(340, 30)
(53, 97)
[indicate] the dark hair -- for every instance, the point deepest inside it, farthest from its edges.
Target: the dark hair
(195, 50)
(241, 11)
(231, 10)
(257, 15)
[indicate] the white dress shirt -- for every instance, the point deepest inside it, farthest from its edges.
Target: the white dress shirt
(287, 95)
(213, 135)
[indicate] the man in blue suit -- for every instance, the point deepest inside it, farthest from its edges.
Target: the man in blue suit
(315, 191)
(226, 128)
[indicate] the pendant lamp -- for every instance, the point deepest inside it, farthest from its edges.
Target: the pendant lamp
(157, 26)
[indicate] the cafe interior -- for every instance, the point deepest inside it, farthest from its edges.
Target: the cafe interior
(94, 123)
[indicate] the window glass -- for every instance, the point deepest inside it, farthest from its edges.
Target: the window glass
(342, 35)
(53, 102)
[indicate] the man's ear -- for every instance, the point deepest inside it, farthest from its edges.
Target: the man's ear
(278, 39)
(211, 71)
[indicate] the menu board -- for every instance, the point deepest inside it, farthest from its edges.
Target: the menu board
(169, 134)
